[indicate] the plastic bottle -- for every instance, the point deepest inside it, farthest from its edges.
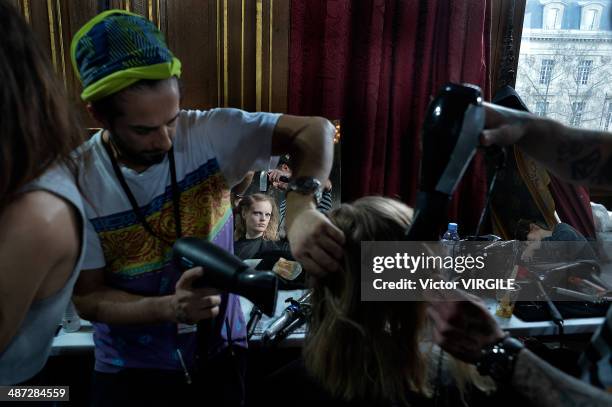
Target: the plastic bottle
(451, 235)
(71, 322)
(449, 240)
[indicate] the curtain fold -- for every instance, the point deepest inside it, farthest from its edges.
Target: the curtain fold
(375, 65)
(573, 205)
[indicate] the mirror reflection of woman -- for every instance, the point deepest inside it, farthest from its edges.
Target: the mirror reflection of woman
(256, 227)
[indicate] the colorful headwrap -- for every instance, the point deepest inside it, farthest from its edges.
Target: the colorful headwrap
(117, 48)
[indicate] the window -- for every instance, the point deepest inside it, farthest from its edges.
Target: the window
(590, 16)
(546, 71)
(541, 108)
(565, 56)
(589, 19)
(584, 69)
(608, 116)
(553, 15)
(577, 110)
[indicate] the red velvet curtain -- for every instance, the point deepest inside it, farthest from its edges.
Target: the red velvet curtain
(376, 64)
(573, 205)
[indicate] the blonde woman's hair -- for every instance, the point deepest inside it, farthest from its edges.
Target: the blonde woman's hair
(245, 205)
(369, 351)
(361, 350)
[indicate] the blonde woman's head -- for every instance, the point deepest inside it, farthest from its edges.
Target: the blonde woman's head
(257, 216)
(365, 350)
(373, 351)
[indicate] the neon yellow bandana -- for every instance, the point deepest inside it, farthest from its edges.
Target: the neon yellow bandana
(116, 49)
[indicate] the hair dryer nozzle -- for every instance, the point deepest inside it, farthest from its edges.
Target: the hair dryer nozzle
(225, 271)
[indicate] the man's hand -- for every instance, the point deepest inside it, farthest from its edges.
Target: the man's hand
(327, 186)
(190, 305)
(316, 243)
(462, 325)
(274, 178)
(503, 126)
(530, 250)
(579, 156)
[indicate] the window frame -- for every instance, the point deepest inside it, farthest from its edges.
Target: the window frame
(577, 107)
(585, 66)
(597, 8)
(546, 69)
(548, 8)
(541, 112)
(607, 119)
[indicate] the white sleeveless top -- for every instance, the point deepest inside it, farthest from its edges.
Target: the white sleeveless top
(28, 351)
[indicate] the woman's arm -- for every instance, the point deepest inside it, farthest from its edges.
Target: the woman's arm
(40, 240)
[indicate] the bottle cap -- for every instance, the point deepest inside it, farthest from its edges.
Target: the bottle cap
(452, 226)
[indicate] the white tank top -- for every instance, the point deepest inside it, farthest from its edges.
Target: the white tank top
(28, 351)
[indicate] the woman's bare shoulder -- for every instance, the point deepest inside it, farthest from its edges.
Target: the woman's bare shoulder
(42, 221)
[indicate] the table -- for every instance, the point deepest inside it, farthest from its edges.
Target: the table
(82, 341)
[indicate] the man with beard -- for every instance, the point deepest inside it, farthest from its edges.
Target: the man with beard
(156, 173)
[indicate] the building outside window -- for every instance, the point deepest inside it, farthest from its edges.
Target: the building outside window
(607, 122)
(565, 60)
(546, 71)
(584, 68)
(577, 110)
(590, 17)
(553, 15)
(541, 108)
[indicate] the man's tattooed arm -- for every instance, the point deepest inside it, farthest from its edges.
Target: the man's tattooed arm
(576, 155)
(544, 385)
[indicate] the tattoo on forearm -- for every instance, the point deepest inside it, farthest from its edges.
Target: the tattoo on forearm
(584, 157)
(585, 166)
(544, 385)
(569, 149)
(603, 177)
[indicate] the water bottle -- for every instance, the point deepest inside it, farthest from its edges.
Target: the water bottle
(71, 322)
(451, 233)
(449, 240)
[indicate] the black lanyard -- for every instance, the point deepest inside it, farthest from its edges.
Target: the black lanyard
(176, 194)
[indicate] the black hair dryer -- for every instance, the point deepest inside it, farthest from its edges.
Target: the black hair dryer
(450, 137)
(225, 271)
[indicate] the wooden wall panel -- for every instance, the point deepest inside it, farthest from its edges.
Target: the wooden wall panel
(275, 54)
(234, 52)
(193, 40)
(250, 48)
(234, 48)
(43, 27)
(15, 3)
(265, 96)
(280, 56)
(506, 31)
(72, 19)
